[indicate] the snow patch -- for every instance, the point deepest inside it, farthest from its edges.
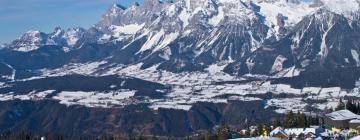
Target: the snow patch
(216, 68)
(12, 76)
(214, 21)
(126, 29)
(287, 104)
(344, 7)
(95, 99)
(153, 39)
(294, 12)
(184, 16)
(158, 41)
(356, 57)
(278, 64)
(34, 95)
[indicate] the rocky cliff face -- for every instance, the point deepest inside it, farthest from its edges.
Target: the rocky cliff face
(190, 35)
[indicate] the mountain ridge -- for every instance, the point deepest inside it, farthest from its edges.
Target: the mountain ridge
(208, 61)
(205, 22)
(189, 37)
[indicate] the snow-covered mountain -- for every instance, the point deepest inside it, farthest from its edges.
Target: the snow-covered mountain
(33, 40)
(211, 31)
(284, 42)
(177, 55)
(258, 37)
(193, 34)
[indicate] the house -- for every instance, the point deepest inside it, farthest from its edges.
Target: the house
(301, 132)
(355, 138)
(339, 119)
(355, 126)
(279, 133)
(287, 133)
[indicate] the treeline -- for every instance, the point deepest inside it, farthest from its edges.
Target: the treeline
(223, 133)
(226, 132)
(290, 120)
(296, 120)
(349, 104)
(25, 135)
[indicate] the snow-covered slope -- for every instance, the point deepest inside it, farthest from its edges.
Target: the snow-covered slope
(189, 16)
(346, 8)
(33, 40)
(269, 37)
(205, 57)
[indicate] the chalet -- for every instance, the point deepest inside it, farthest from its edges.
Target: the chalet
(301, 133)
(355, 126)
(355, 138)
(339, 119)
(279, 133)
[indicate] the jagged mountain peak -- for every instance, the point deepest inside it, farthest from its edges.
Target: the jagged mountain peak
(114, 10)
(30, 41)
(205, 31)
(33, 40)
(58, 31)
(72, 35)
(344, 7)
(200, 50)
(118, 6)
(322, 40)
(32, 33)
(151, 2)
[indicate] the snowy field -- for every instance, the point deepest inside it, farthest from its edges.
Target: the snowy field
(95, 99)
(187, 89)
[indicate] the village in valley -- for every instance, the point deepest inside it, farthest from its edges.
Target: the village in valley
(340, 123)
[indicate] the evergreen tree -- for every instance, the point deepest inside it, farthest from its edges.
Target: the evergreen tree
(340, 105)
(277, 122)
(350, 106)
(223, 133)
(260, 130)
(302, 120)
(290, 120)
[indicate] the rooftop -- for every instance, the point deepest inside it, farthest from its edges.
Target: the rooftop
(342, 115)
(355, 121)
(291, 131)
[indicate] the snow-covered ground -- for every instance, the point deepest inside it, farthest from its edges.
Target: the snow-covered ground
(258, 138)
(95, 99)
(189, 88)
(34, 95)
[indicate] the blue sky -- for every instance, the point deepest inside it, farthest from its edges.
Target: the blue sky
(19, 16)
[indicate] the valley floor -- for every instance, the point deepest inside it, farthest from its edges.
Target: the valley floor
(188, 88)
(129, 99)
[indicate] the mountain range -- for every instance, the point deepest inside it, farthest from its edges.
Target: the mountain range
(179, 54)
